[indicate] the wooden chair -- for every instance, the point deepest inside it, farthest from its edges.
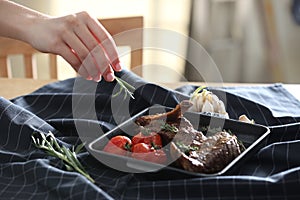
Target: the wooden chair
(13, 47)
(114, 26)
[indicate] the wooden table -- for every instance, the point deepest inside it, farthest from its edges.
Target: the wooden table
(10, 88)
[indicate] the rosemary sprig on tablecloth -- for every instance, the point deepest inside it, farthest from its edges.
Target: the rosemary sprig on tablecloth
(69, 157)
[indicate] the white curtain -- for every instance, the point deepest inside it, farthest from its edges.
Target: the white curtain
(231, 33)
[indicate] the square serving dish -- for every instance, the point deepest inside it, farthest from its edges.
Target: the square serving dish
(251, 135)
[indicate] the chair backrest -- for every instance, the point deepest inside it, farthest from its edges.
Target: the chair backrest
(114, 26)
(12, 47)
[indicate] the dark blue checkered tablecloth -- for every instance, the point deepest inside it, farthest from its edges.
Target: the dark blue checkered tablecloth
(28, 173)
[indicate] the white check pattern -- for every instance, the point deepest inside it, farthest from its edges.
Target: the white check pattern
(28, 173)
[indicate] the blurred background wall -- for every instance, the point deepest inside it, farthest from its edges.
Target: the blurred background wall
(248, 40)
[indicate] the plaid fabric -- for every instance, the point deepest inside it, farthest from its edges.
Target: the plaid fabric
(28, 173)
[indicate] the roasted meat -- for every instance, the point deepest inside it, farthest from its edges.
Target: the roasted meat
(163, 123)
(171, 116)
(209, 155)
(189, 147)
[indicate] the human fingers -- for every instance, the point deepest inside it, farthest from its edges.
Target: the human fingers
(96, 62)
(86, 36)
(96, 53)
(70, 37)
(107, 43)
(70, 56)
(96, 59)
(109, 74)
(106, 70)
(86, 57)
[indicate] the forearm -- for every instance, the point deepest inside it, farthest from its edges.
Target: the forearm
(16, 20)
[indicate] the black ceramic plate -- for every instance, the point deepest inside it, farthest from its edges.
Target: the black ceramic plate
(251, 135)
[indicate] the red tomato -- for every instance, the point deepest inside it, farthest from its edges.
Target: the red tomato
(151, 138)
(119, 145)
(143, 151)
(141, 148)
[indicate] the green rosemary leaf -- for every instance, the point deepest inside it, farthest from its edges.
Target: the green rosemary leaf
(186, 148)
(75, 159)
(79, 148)
(118, 93)
(168, 127)
(55, 145)
(34, 140)
(69, 168)
(50, 145)
(124, 86)
(197, 91)
(127, 85)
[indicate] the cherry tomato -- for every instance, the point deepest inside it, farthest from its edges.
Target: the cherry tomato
(143, 151)
(151, 138)
(141, 148)
(119, 145)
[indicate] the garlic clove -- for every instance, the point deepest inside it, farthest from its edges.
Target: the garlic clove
(215, 102)
(221, 107)
(207, 107)
(193, 108)
(199, 102)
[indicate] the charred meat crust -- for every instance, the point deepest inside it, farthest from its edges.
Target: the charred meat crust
(171, 116)
(189, 147)
(209, 156)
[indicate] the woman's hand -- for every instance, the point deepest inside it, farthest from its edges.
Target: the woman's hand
(81, 40)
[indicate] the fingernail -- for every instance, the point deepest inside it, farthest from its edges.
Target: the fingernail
(97, 79)
(89, 78)
(118, 67)
(110, 77)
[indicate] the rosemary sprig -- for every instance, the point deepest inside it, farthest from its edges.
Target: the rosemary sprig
(124, 86)
(69, 157)
(186, 148)
(168, 127)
